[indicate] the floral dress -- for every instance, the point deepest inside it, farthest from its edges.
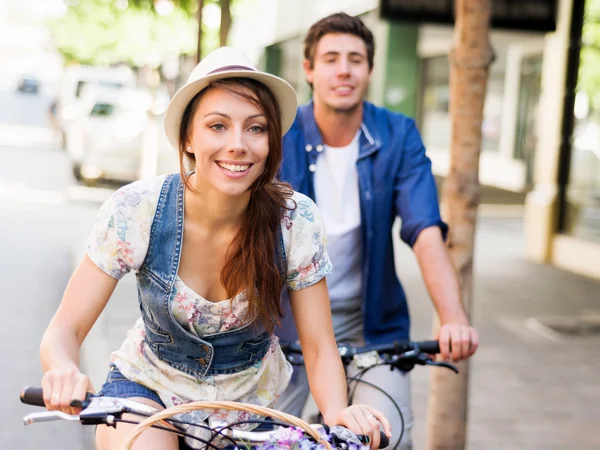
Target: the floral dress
(119, 242)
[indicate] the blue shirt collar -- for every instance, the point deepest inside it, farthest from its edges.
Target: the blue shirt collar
(313, 141)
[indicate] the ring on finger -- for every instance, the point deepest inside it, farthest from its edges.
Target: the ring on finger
(371, 415)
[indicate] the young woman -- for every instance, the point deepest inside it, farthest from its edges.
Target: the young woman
(211, 249)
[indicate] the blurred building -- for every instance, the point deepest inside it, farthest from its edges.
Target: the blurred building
(411, 76)
(522, 115)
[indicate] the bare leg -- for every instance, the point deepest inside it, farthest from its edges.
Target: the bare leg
(108, 438)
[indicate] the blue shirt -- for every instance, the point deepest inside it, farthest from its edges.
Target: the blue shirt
(395, 179)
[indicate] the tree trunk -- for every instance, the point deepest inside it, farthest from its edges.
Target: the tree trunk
(225, 25)
(199, 42)
(469, 63)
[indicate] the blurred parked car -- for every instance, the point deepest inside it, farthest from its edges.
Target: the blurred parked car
(110, 140)
(68, 106)
(28, 84)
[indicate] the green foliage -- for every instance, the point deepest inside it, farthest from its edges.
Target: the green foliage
(99, 32)
(589, 69)
(189, 7)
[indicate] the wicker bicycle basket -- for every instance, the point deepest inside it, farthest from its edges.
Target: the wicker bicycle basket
(230, 406)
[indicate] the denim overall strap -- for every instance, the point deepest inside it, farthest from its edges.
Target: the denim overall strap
(166, 235)
(219, 353)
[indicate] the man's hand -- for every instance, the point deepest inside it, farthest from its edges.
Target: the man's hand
(457, 341)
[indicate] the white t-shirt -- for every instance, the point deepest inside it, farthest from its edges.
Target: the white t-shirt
(336, 190)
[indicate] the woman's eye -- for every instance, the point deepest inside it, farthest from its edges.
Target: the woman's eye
(256, 129)
(218, 127)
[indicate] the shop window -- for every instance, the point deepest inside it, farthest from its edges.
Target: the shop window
(435, 121)
(582, 199)
(582, 218)
(435, 101)
(529, 97)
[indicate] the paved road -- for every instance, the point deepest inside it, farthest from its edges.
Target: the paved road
(41, 223)
(24, 109)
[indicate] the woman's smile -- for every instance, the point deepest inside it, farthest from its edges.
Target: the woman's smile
(234, 169)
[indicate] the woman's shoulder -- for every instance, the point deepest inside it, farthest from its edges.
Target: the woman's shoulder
(301, 213)
(300, 205)
(142, 192)
(304, 239)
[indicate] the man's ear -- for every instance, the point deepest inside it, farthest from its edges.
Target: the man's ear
(308, 72)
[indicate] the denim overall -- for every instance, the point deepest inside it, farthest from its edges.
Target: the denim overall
(214, 354)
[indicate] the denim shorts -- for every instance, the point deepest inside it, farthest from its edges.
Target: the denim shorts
(118, 386)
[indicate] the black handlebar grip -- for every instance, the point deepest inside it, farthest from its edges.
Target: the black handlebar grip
(384, 441)
(430, 347)
(33, 396)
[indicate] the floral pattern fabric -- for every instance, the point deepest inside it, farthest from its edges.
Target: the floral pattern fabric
(119, 243)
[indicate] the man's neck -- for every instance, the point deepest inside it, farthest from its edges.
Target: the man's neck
(337, 128)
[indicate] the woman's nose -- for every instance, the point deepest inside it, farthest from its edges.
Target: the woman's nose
(237, 142)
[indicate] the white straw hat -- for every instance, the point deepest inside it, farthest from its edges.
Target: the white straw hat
(227, 62)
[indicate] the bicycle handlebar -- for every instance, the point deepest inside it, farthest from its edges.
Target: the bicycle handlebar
(396, 347)
(106, 405)
(403, 355)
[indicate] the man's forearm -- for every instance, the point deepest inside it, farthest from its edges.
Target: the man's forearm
(440, 276)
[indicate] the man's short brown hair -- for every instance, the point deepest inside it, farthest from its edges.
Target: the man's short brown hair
(340, 23)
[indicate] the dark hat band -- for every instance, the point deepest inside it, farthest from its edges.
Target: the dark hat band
(222, 69)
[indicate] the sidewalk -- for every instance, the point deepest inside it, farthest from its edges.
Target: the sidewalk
(531, 387)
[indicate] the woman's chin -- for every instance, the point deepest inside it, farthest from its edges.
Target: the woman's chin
(233, 191)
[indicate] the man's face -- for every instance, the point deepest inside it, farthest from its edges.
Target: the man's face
(340, 74)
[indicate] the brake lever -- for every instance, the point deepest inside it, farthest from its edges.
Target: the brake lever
(447, 365)
(48, 416)
(342, 435)
(104, 410)
(408, 361)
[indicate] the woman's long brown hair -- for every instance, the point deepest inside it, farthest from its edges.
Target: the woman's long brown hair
(253, 258)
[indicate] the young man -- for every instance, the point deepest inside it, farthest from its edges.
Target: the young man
(364, 165)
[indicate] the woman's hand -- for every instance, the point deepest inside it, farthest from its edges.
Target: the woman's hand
(362, 419)
(61, 386)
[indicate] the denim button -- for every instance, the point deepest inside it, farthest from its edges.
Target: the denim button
(202, 361)
(319, 148)
(312, 167)
(308, 148)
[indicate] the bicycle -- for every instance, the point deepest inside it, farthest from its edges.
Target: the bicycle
(399, 355)
(279, 430)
